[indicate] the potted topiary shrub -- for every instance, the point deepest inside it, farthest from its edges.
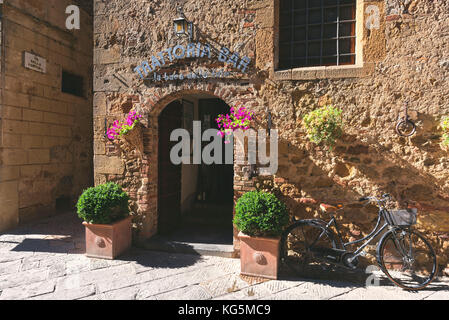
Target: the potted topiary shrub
(261, 218)
(105, 212)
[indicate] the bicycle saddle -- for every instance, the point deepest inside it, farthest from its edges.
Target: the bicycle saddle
(329, 208)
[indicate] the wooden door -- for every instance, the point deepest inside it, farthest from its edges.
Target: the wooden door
(216, 180)
(169, 195)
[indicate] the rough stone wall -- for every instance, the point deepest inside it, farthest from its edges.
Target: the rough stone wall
(46, 150)
(405, 58)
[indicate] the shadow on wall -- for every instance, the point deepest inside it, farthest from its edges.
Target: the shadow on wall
(359, 169)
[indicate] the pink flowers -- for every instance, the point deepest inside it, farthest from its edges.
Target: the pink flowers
(238, 119)
(120, 128)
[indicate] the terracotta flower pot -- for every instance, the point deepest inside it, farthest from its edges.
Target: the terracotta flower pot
(107, 241)
(259, 256)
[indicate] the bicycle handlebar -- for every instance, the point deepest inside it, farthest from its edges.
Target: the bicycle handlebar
(385, 197)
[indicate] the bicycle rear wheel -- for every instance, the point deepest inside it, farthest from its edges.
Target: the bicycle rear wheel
(297, 244)
(407, 259)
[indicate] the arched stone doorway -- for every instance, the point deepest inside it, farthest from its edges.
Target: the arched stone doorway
(152, 104)
(195, 200)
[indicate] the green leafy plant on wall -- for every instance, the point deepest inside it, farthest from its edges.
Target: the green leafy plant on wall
(259, 213)
(445, 127)
(103, 204)
(324, 125)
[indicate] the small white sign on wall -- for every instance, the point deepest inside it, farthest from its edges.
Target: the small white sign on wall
(34, 62)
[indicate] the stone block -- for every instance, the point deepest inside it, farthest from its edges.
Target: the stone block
(32, 115)
(52, 117)
(60, 131)
(15, 127)
(29, 141)
(12, 113)
(16, 99)
(9, 173)
(108, 165)
(14, 157)
(9, 210)
(40, 129)
(39, 156)
(12, 141)
(30, 171)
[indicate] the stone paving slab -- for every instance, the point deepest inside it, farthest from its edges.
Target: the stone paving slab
(43, 262)
(384, 293)
(194, 292)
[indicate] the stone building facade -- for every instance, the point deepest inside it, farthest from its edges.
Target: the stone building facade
(400, 52)
(46, 126)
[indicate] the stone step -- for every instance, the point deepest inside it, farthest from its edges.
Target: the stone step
(204, 249)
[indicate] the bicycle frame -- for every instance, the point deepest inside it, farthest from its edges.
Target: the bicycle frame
(374, 233)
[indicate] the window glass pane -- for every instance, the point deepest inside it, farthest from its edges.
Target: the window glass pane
(328, 3)
(300, 4)
(299, 63)
(330, 61)
(315, 33)
(285, 19)
(330, 31)
(314, 49)
(299, 34)
(314, 62)
(346, 46)
(330, 14)
(285, 35)
(285, 64)
(314, 4)
(330, 47)
(285, 51)
(347, 59)
(300, 17)
(315, 16)
(299, 50)
(286, 5)
(347, 13)
(347, 29)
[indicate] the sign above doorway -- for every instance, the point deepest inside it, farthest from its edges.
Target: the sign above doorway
(191, 51)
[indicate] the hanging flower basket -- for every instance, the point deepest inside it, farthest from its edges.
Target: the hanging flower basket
(134, 137)
(130, 132)
(239, 118)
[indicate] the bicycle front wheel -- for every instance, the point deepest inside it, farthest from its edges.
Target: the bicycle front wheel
(407, 259)
(300, 241)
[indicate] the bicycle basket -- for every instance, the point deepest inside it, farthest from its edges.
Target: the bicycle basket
(405, 217)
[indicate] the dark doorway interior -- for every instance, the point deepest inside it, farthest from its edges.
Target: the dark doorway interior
(195, 201)
(169, 195)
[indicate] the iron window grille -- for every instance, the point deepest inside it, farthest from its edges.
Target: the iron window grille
(316, 33)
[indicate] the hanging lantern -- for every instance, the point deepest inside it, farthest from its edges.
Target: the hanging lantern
(182, 26)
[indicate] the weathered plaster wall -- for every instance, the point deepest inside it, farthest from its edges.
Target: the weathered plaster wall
(46, 158)
(407, 57)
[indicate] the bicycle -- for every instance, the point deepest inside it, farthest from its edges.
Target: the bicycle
(405, 256)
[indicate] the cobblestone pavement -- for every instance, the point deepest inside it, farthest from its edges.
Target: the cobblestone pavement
(45, 260)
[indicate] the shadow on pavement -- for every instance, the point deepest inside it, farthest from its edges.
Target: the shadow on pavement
(155, 259)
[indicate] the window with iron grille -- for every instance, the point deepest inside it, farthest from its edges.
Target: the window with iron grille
(316, 33)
